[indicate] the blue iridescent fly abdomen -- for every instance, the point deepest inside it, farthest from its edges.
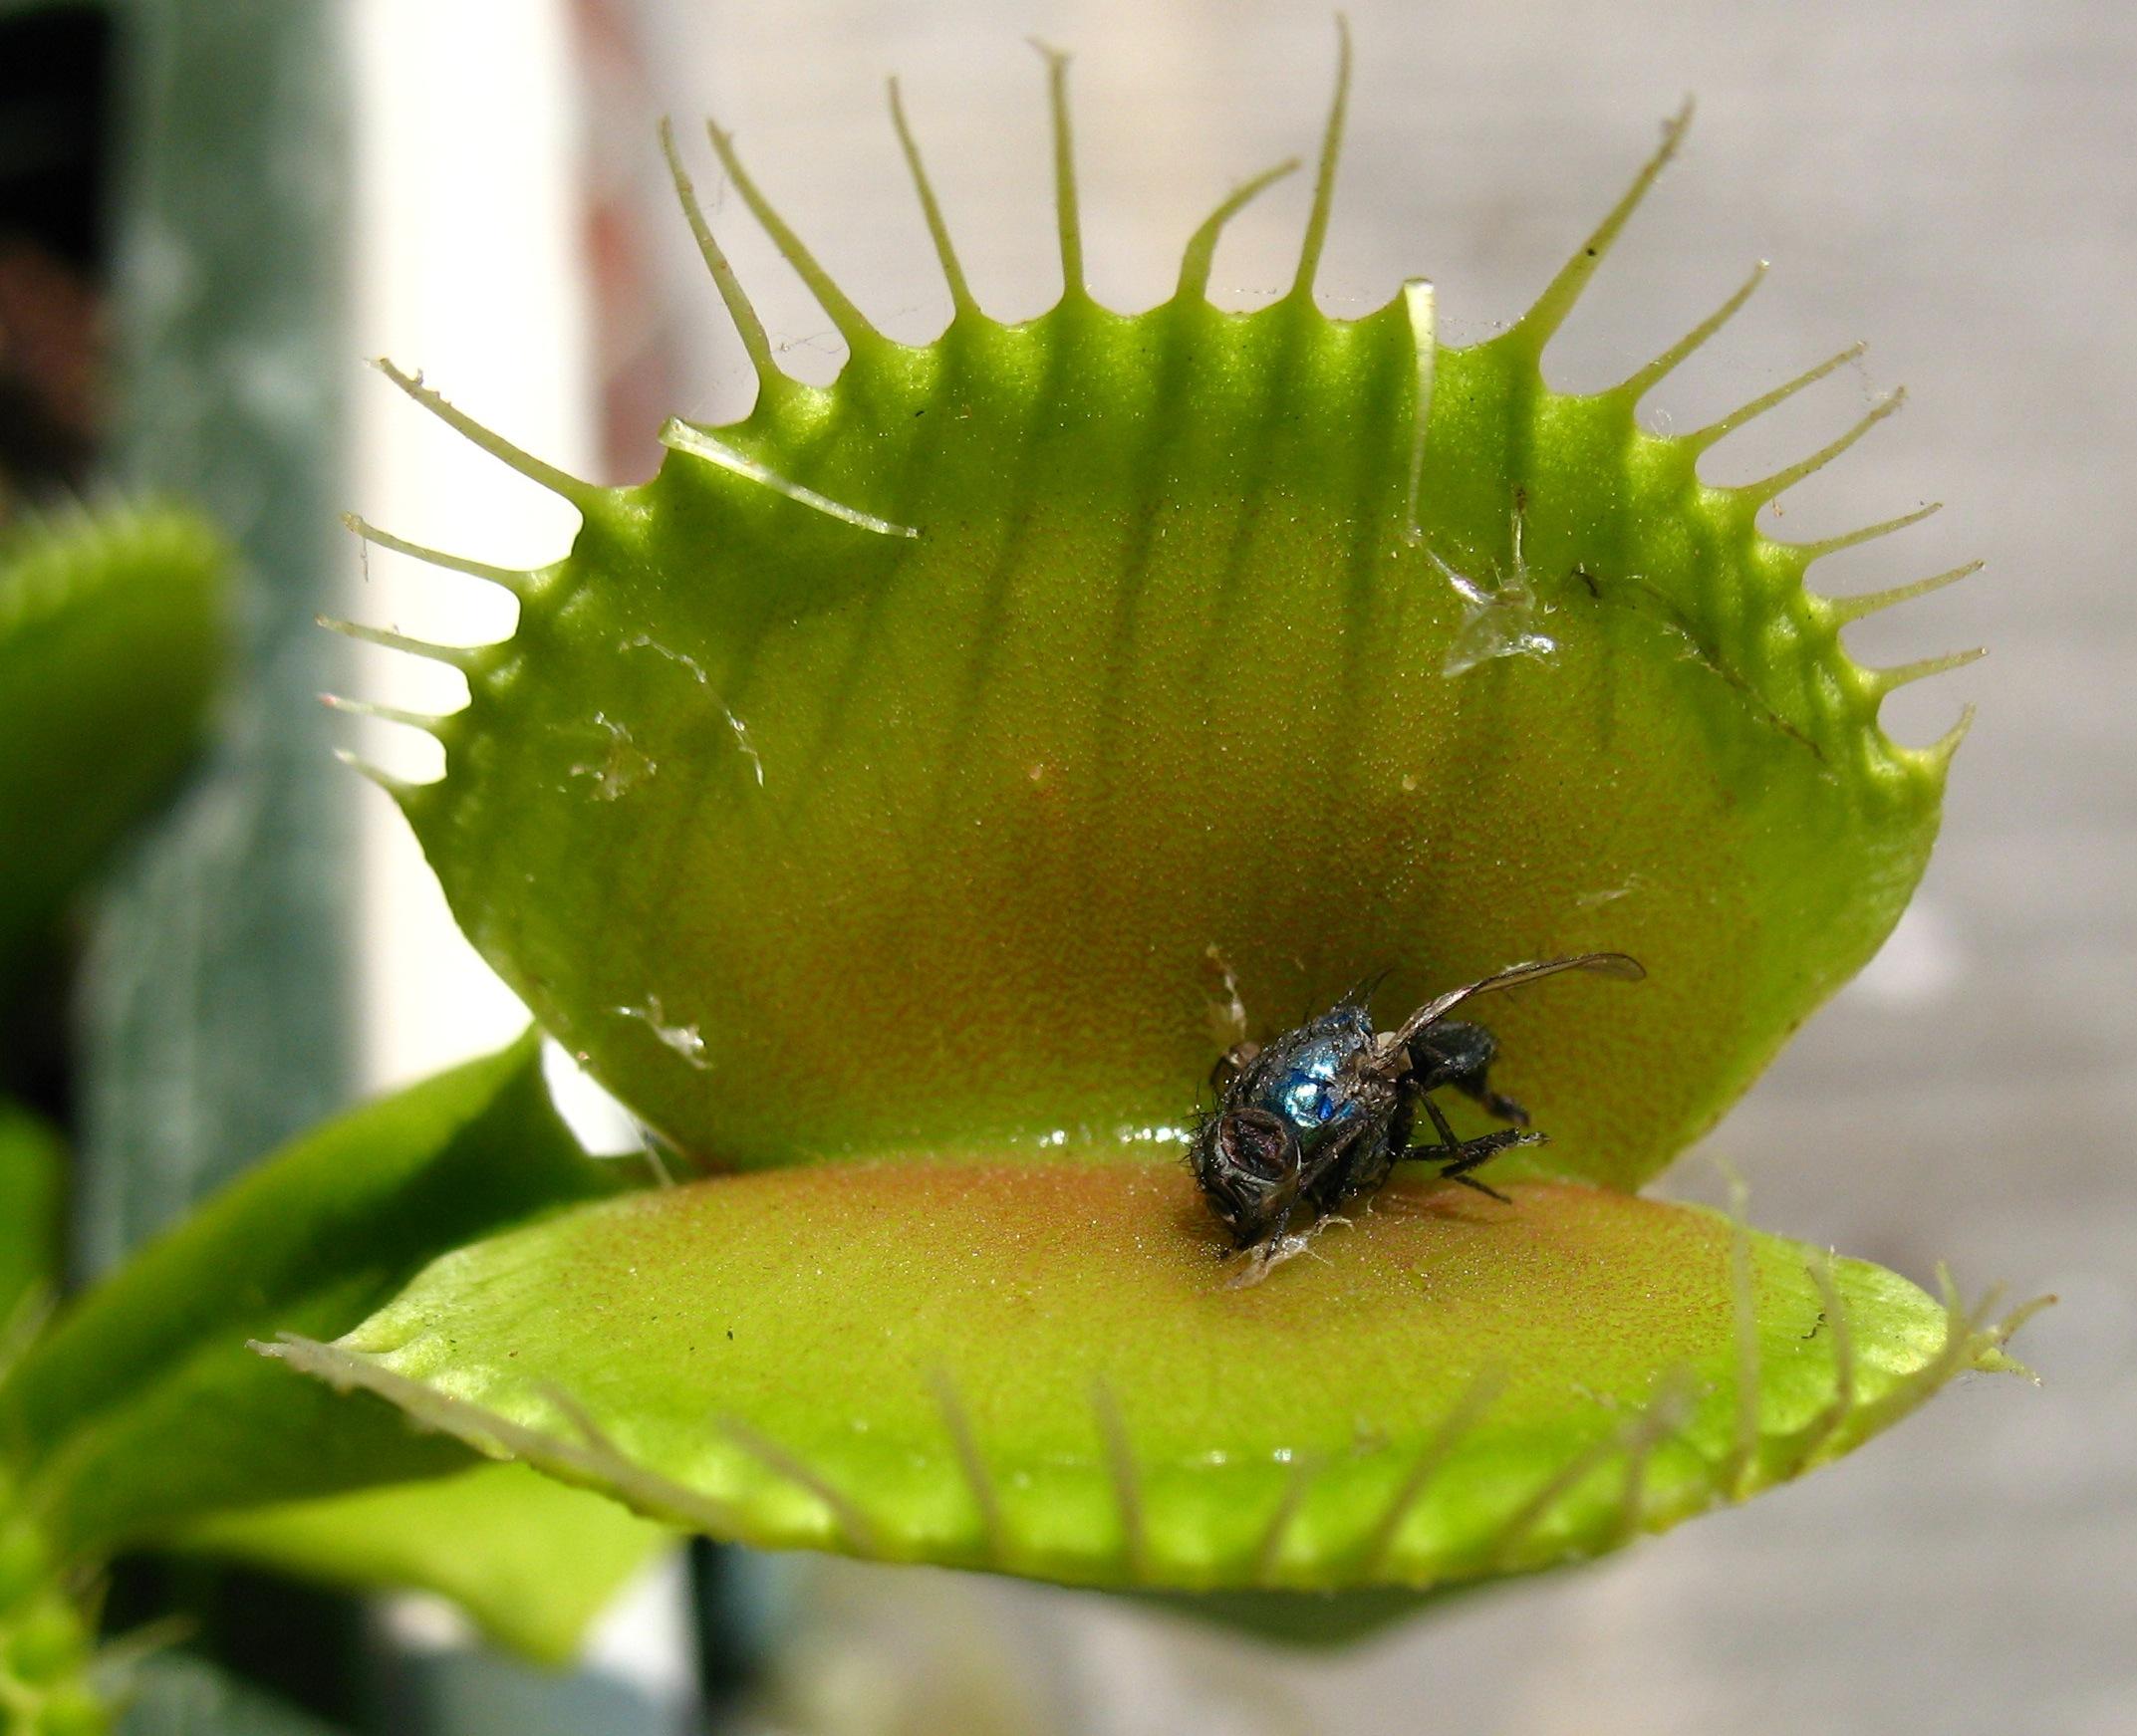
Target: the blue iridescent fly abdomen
(1307, 1082)
(1307, 1097)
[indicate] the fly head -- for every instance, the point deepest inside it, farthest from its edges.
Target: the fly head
(1246, 1163)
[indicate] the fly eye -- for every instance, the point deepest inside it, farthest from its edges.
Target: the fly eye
(1256, 1145)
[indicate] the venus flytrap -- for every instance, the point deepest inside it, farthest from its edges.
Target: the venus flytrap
(898, 802)
(885, 797)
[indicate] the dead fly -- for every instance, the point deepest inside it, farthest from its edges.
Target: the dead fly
(1319, 1116)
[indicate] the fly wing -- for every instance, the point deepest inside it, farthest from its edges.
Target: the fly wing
(1613, 964)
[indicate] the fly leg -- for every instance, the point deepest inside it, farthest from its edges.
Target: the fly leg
(1457, 1157)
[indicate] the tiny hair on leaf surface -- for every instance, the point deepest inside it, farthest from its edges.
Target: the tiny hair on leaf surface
(1025, 694)
(1039, 1370)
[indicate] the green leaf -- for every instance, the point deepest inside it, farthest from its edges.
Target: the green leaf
(113, 630)
(31, 1175)
(1043, 1369)
(143, 1408)
(47, 1674)
(963, 755)
(531, 1561)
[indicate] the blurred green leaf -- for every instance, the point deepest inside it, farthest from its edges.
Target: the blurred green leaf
(112, 631)
(532, 1561)
(32, 1173)
(143, 1408)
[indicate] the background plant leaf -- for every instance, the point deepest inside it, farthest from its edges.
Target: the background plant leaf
(1043, 1371)
(113, 629)
(532, 1561)
(143, 1407)
(32, 1178)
